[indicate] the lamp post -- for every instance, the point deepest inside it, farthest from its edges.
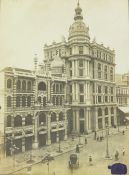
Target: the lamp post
(59, 146)
(107, 146)
(79, 137)
(47, 159)
(13, 150)
(125, 121)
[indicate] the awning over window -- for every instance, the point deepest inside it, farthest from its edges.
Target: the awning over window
(124, 109)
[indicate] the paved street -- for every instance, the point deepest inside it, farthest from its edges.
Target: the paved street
(94, 148)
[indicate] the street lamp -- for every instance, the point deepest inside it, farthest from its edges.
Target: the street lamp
(47, 159)
(107, 147)
(125, 121)
(79, 137)
(59, 146)
(13, 150)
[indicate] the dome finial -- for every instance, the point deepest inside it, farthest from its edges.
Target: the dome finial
(78, 3)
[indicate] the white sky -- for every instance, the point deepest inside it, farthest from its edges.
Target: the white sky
(26, 25)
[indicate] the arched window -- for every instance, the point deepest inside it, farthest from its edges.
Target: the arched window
(81, 113)
(17, 121)
(18, 85)
(42, 118)
(112, 110)
(29, 86)
(106, 111)
(9, 103)
(53, 117)
(99, 112)
(28, 120)
(44, 101)
(9, 83)
(42, 86)
(9, 119)
(23, 101)
(61, 116)
(29, 101)
(39, 99)
(18, 101)
(24, 85)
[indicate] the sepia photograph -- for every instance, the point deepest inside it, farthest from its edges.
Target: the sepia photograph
(64, 87)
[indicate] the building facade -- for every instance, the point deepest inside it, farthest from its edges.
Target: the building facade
(90, 70)
(73, 90)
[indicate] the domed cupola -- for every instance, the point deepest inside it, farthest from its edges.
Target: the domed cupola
(57, 66)
(78, 31)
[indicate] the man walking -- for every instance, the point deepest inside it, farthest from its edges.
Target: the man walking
(123, 151)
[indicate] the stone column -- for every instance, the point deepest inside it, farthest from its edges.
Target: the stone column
(96, 119)
(49, 129)
(103, 118)
(35, 143)
(109, 117)
(115, 115)
(73, 68)
(77, 121)
(57, 133)
(65, 124)
(86, 121)
(74, 121)
(23, 144)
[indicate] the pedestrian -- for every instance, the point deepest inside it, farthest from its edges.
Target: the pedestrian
(123, 132)
(116, 155)
(77, 149)
(123, 151)
(90, 160)
(85, 140)
(95, 134)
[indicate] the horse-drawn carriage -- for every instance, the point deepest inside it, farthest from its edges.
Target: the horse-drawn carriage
(73, 161)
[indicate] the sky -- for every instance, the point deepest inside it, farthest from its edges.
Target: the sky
(26, 25)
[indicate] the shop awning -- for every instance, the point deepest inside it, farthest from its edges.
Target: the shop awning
(124, 109)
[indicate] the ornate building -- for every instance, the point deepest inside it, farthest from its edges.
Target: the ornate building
(90, 70)
(72, 91)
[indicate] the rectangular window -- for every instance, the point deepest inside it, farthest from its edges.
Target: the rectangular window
(106, 99)
(80, 63)
(111, 90)
(70, 87)
(111, 98)
(70, 51)
(70, 73)
(80, 49)
(99, 99)
(81, 88)
(99, 89)
(80, 72)
(99, 74)
(81, 98)
(70, 99)
(106, 90)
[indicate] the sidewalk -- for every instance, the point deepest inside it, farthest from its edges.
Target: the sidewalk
(7, 164)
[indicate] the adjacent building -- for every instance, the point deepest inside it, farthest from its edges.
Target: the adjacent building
(73, 90)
